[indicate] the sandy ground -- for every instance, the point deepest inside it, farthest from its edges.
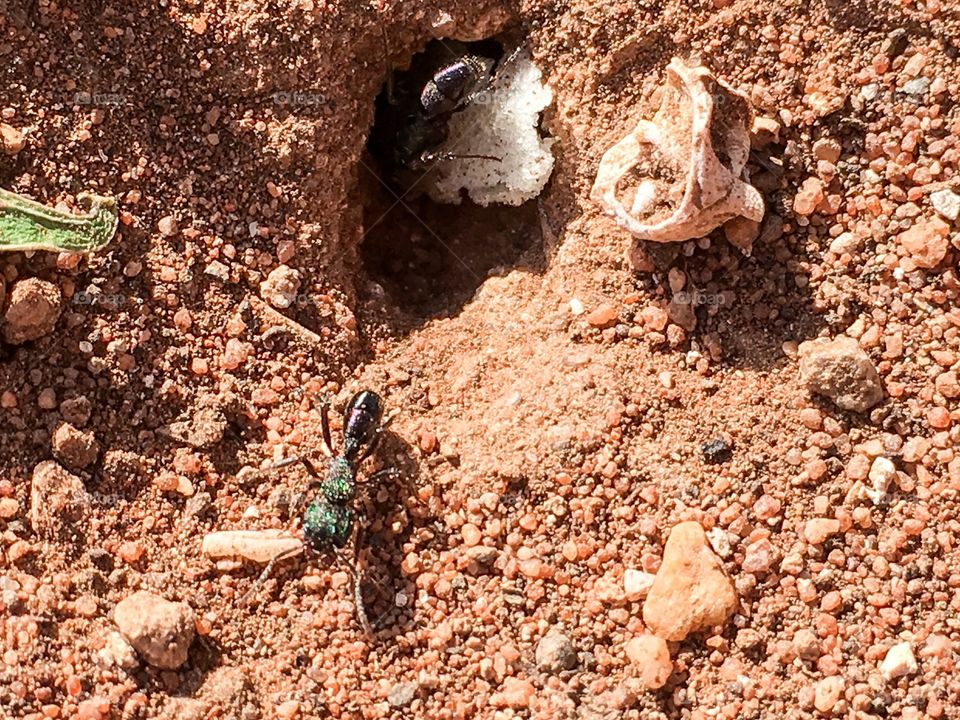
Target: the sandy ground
(545, 452)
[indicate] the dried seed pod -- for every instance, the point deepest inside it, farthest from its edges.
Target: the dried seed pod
(260, 546)
(678, 176)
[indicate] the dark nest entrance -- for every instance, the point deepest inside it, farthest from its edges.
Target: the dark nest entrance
(432, 257)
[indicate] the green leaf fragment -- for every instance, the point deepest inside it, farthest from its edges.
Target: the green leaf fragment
(28, 225)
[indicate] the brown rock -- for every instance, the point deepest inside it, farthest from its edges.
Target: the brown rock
(840, 370)
(33, 310)
(654, 318)
(12, 139)
(741, 232)
(691, 592)
(818, 530)
(828, 692)
(603, 316)
(281, 287)
(167, 226)
(651, 656)
(159, 630)
(57, 499)
(555, 652)
(765, 131)
(74, 448)
(76, 411)
(516, 693)
(639, 258)
(681, 311)
(808, 196)
(926, 242)
(948, 385)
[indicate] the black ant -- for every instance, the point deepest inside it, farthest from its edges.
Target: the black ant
(328, 520)
(413, 112)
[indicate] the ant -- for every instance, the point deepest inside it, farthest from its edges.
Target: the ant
(328, 520)
(413, 113)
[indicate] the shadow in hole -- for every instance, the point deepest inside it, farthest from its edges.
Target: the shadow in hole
(431, 257)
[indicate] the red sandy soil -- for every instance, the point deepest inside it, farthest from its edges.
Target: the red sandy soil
(543, 452)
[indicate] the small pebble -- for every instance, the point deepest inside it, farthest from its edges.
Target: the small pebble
(167, 226)
(926, 242)
(159, 630)
(899, 661)
(12, 139)
(517, 692)
(840, 370)
(946, 202)
(281, 287)
(691, 591)
(74, 448)
(58, 499)
(817, 530)
(33, 309)
(828, 692)
(651, 656)
(637, 584)
(602, 317)
(716, 451)
(402, 694)
(555, 652)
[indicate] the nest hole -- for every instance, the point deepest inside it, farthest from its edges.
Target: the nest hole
(431, 257)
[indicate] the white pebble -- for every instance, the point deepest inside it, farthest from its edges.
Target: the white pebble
(898, 662)
(946, 202)
(636, 584)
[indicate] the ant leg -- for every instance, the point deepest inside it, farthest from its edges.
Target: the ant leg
(311, 469)
(514, 54)
(491, 75)
(387, 472)
(315, 480)
(266, 573)
(325, 426)
(357, 591)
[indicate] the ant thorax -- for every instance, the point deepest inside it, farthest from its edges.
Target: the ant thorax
(339, 486)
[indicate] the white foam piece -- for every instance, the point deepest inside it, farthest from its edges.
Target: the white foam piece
(501, 122)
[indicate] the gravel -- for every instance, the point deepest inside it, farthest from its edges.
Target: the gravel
(58, 500)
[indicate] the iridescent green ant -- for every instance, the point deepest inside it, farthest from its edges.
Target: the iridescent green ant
(328, 520)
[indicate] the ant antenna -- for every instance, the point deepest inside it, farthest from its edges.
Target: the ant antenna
(429, 157)
(386, 63)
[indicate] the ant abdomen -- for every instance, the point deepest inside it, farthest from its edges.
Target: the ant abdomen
(362, 416)
(326, 523)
